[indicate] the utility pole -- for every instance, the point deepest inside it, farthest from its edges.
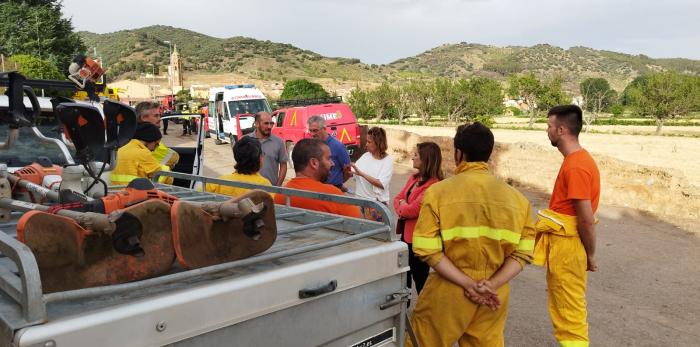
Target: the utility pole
(170, 75)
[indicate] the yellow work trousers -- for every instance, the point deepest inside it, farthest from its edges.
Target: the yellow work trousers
(566, 290)
(443, 316)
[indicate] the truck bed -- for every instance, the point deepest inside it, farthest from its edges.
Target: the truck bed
(208, 306)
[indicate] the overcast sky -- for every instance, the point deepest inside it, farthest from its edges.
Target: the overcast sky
(381, 31)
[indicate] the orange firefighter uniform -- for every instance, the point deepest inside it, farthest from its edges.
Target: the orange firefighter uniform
(476, 221)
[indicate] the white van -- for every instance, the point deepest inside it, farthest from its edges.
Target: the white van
(232, 109)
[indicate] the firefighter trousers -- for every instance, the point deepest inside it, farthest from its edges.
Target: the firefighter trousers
(443, 316)
(566, 290)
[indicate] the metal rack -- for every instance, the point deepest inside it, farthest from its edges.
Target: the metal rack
(22, 302)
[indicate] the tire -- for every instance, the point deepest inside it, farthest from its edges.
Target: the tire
(233, 139)
(290, 148)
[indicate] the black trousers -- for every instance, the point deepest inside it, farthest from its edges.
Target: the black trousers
(165, 126)
(419, 269)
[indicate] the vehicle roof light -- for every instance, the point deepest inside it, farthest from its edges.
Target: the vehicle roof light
(236, 86)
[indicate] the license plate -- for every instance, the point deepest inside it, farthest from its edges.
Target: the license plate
(380, 339)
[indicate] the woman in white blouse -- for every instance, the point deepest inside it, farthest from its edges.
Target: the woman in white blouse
(373, 171)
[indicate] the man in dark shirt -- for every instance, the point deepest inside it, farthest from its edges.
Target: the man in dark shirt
(341, 160)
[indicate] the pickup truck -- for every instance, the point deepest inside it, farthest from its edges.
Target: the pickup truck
(327, 280)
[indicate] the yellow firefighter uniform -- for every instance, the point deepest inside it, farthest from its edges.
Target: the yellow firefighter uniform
(476, 221)
(135, 160)
(165, 156)
(559, 248)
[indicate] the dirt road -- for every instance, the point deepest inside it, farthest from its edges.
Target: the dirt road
(647, 292)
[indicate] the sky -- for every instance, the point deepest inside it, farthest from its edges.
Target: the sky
(382, 31)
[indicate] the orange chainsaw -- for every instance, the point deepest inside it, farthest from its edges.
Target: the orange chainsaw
(141, 189)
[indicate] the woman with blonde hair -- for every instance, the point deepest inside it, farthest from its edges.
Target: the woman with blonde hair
(427, 160)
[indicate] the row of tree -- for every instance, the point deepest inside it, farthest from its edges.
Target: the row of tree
(455, 99)
(660, 96)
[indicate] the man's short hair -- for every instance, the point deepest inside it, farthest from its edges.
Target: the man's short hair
(475, 141)
(247, 154)
(257, 115)
(316, 119)
(142, 108)
(304, 150)
(569, 116)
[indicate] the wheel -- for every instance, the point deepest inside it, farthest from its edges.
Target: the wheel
(233, 139)
(290, 148)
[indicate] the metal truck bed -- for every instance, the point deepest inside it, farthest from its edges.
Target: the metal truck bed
(321, 283)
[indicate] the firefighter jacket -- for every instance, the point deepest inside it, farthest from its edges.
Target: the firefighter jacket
(165, 155)
(476, 220)
(135, 160)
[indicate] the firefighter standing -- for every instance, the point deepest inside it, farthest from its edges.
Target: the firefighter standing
(476, 232)
(566, 230)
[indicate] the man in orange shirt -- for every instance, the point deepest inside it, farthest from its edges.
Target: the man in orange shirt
(566, 237)
(312, 165)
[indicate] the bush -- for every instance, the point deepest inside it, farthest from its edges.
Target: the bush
(485, 120)
(514, 110)
(617, 110)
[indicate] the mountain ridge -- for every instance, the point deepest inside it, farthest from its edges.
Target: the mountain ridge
(128, 53)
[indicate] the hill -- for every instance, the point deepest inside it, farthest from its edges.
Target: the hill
(574, 64)
(128, 53)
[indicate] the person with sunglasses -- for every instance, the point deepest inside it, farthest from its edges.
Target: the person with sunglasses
(274, 153)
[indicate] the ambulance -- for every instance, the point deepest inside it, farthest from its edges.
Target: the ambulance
(232, 109)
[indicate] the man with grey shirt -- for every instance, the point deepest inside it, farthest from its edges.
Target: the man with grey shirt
(274, 153)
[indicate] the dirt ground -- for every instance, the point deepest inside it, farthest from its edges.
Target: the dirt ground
(647, 292)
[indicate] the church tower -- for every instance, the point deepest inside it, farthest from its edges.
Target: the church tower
(175, 71)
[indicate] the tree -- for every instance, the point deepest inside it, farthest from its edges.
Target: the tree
(662, 95)
(382, 99)
(421, 96)
(551, 94)
(597, 96)
(450, 98)
(183, 96)
(403, 103)
(528, 87)
(484, 98)
(360, 104)
(32, 67)
(37, 28)
(303, 89)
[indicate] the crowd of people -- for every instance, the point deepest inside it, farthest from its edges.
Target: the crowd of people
(468, 235)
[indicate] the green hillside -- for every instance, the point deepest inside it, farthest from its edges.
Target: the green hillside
(574, 64)
(128, 53)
